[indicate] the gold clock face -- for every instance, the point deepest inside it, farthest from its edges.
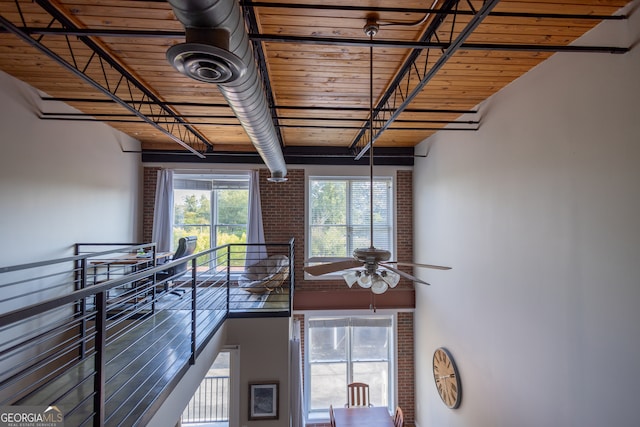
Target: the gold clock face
(446, 377)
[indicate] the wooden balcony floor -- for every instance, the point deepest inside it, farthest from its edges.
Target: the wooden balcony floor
(145, 354)
(140, 365)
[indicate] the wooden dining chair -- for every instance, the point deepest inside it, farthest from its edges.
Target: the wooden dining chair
(398, 419)
(332, 417)
(358, 395)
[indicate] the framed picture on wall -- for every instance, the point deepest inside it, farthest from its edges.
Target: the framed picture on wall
(263, 400)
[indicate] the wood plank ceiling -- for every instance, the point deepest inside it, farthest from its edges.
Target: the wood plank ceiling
(315, 59)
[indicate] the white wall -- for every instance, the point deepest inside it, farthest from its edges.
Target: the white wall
(538, 213)
(263, 345)
(61, 182)
(264, 356)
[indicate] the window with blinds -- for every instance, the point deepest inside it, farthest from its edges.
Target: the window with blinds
(341, 350)
(340, 212)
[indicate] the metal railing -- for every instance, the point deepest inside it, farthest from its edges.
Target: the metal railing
(210, 402)
(103, 338)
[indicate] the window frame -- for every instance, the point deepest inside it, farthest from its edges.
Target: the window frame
(213, 224)
(322, 415)
(387, 175)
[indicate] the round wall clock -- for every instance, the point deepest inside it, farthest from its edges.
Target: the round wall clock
(446, 377)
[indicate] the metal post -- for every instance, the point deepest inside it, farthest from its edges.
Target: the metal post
(192, 359)
(153, 279)
(229, 277)
(99, 361)
(82, 309)
(292, 282)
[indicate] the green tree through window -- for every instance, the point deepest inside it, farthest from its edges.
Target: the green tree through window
(214, 209)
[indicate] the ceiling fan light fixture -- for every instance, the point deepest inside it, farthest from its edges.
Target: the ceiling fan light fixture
(351, 277)
(378, 284)
(392, 278)
(364, 280)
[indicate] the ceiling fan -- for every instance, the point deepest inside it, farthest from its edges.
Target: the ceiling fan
(375, 270)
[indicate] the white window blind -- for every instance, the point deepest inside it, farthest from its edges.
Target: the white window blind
(340, 213)
(341, 350)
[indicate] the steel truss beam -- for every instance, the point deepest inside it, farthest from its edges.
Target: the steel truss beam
(279, 107)
(394, 156)
(103, 73)
(127, 118)
(405, 44)
(417, 72)
(441, 11)
(405, 128)
(332, 41)
(231, 116)
(411, 79)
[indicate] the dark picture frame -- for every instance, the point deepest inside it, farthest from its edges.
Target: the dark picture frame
(263, 400)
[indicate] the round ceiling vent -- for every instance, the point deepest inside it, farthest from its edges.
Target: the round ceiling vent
(206, 63)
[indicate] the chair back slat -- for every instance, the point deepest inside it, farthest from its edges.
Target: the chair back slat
(358, 394)
(332, 417)
(398, 420)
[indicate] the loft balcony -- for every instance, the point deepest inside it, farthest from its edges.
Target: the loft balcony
(105, 335)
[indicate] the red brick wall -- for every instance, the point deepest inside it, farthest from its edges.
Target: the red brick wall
(406, 368)
(283, 213)
(149, 179)
(283, 218)
(404, 219)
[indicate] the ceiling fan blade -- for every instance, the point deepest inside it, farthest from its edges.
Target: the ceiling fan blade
(415, 264)
(328, 259)
(403, 274)
(320, 269)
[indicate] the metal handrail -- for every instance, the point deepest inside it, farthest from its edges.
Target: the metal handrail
(84, 321)
(129, 246)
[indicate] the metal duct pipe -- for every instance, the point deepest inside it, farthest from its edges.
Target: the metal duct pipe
(217, 50)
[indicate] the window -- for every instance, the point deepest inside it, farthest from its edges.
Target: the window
(339, 215)
(210, 402)
(212, 207)
(341, 350)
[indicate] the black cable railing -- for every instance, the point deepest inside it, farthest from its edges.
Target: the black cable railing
(100, 337)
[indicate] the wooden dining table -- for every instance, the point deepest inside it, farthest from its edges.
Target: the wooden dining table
(373, 416)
